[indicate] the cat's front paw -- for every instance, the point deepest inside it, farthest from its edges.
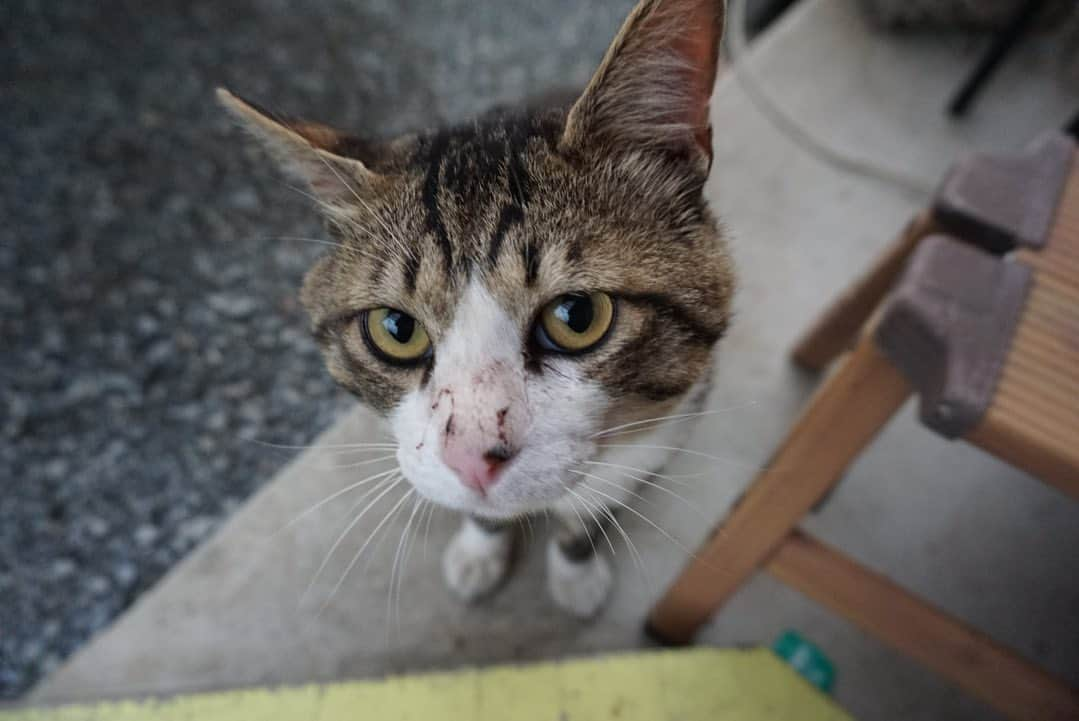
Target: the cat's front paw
(476, 561)
(578, 586)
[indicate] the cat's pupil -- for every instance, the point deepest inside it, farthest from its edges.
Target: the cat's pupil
(576, 312)
(399, 325)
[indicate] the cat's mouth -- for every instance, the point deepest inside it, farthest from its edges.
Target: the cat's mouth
(531, 483)
(512, 503)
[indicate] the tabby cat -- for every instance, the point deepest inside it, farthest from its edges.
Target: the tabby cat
(510, 293)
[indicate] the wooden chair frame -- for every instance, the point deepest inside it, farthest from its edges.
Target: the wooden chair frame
(846, 412)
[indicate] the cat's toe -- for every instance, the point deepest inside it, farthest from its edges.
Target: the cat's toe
(476, 561)
(579, 587)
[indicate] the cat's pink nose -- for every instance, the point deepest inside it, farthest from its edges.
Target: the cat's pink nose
(478, 470)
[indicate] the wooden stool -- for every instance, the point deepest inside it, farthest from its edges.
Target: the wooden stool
(991, 346)
(999, 203)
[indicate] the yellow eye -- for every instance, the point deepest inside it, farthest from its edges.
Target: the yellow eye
(575, 322)
(395, 336)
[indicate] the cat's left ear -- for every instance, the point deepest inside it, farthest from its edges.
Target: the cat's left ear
(312, 152)
(655, 82)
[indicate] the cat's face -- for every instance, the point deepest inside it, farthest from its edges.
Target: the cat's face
(504, 291)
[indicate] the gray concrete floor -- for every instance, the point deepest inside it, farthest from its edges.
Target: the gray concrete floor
(150, 262)
(977, 537)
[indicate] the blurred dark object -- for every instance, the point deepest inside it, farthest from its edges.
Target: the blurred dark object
(957, 14)
(1005, 39)
(1072, 128)
(762, 13)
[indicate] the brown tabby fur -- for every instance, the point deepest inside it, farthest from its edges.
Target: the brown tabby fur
(606, 195)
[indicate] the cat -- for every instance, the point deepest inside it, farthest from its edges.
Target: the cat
(509, 293)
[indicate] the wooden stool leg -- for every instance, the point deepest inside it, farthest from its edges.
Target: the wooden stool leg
(840, 324)
(972, 661)
(842, 418)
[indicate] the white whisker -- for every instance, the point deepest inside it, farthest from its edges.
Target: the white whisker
(349, 446)
(378, 544)
(353, 451)
(659, 420)
(370, 211)
(691, 506)
(359, 553)
(298, 239)
(314, 199)
(644, 477)
(306, 512)
(688, 451)
(647, 520)
(393, 482)
(601, 479)
(675, 479)
(595, 519)
(424, 504)
(391, 599)
(584, 526)
(531, 528)
(367, 462)
(638, 560)
(427, 529)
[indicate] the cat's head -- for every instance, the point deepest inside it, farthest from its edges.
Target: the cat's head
(504, 290)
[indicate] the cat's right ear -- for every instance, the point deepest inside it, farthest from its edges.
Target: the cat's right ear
(655, 82)
(309, 151)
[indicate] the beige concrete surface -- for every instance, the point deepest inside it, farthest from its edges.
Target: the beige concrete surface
(979, 538)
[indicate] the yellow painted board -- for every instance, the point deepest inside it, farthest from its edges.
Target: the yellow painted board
(683, 685)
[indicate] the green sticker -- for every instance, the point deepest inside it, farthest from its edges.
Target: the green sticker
(806, 659)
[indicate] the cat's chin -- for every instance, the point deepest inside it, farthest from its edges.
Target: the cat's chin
(495, 509)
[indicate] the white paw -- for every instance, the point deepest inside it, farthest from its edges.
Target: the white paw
(579, 587)
(476, 561)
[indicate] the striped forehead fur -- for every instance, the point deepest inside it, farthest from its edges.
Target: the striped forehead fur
(501, 199)
(601, 194)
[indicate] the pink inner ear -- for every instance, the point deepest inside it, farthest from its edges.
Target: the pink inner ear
(656, 80)
(688, 31)
(699, 45)
(324, 183)
(319, 135)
